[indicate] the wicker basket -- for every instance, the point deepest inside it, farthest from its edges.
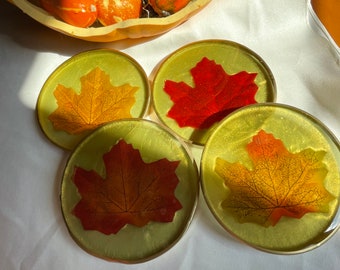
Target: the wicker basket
(133, 28)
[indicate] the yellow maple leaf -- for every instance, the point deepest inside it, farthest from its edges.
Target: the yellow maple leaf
(99, 102)
(280, 183)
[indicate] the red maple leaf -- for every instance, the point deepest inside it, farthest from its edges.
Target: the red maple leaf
(215, 95)
(133, 192)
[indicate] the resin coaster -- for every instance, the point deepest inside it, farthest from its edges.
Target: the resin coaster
(198, 85)
(127, 196)
(89, 90)
(270, 176)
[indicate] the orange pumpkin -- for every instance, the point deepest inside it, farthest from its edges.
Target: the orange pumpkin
(163, 7)
(81, 13)
(113, 11)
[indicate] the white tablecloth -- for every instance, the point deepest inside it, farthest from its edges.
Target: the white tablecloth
(33, 234)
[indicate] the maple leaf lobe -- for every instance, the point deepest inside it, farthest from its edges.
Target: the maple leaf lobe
(280, 183)
(98, 102)
(133, 192)
(214, 96)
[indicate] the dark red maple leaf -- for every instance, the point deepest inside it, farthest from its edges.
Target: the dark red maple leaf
(214, 96)
(133, 192)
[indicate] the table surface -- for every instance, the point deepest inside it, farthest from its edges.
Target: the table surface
(33, 234)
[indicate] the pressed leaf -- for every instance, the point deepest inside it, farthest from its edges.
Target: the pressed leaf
(280, 183)
(214, 95)
(99, 102)
(133, 192)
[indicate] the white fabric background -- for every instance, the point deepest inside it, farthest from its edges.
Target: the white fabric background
(32, 232)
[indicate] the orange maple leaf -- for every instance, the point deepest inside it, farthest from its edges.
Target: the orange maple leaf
(133, 192)
(280, 183)
(99, 102)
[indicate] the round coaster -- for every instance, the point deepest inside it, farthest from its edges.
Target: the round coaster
(126, 196)
(89, 90)
(201, 83)
(270, 176)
